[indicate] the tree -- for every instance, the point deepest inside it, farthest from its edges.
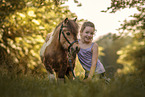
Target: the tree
(132, 57)
(136, 26)
(24, 25)
(132, 54)
(110, 48)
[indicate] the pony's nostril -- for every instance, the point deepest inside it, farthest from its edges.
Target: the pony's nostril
(77, 48)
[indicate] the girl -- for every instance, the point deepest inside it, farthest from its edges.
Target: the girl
(88, 54)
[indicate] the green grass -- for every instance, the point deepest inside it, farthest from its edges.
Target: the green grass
(28, 86)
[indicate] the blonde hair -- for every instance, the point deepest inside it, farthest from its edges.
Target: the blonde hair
(85, 24)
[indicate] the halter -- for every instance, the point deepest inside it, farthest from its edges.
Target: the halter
(70, 44)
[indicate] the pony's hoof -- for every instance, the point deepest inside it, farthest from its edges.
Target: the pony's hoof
(51, 77)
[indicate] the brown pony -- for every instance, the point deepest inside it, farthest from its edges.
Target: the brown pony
(62, 43)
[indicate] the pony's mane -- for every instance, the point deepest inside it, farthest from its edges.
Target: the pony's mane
(71, 24)
(53, 34)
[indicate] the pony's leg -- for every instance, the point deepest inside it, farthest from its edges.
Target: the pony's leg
(70, 70)
(47, 66)
(49, 69)
(59, 80)
(69, 73)
(62, 71)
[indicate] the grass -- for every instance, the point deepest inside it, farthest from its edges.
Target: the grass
(28, 86)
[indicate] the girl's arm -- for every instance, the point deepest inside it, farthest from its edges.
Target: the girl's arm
(94, 60)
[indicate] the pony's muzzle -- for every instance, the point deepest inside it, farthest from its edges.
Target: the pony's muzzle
(75, 48)
(74, 51)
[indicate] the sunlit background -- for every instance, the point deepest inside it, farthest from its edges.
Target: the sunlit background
(24, 25)
(104, 22)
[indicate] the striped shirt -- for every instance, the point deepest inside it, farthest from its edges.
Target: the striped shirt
(85, 58)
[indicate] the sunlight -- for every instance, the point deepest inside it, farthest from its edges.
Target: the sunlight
(41, 27)
(31, 13)
(127, 68)
(22, 15)
(104, 22)
(35, 21)
(79, 71)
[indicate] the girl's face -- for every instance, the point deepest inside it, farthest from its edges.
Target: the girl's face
(87, 34)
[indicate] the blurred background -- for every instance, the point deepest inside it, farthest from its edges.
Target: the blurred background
(120, 26)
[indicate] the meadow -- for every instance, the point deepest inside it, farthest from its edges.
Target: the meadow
(34, 86)
(24, 25)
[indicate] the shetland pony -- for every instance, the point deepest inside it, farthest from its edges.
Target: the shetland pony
(61, 46)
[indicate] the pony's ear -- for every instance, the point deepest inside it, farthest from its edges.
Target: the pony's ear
(75, 19)
(66, 20)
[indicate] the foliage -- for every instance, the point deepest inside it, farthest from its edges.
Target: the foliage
(57, 2)
(110, 47)
(79, 71)
(23, 26)
(121, 4)
(137, 24)
(131, 55)
(26, 86)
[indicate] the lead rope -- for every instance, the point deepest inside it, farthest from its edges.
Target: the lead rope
(70, 63)
(70, 44)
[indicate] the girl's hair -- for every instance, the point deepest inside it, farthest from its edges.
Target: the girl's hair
(85, 24)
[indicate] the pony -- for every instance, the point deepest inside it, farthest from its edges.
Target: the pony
(60, 48)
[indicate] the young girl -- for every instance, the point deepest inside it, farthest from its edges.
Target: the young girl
(88, 54)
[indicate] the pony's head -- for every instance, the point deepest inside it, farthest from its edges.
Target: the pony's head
(68, 35)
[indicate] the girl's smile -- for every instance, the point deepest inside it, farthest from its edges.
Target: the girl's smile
(87, 34)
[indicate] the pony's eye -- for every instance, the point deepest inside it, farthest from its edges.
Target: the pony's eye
(87, 32)
(68, 33)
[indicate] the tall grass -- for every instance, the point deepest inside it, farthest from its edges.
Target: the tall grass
(28, 86)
